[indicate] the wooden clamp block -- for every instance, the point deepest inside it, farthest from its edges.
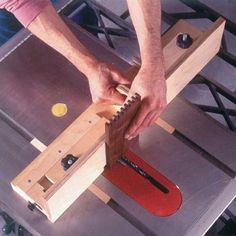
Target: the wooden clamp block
(53, 189)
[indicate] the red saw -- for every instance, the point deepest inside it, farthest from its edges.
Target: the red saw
(131, 174)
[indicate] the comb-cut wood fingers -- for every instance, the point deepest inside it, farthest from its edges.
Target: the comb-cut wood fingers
(115, 129)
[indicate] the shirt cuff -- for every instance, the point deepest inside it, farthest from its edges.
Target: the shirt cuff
(27, 10)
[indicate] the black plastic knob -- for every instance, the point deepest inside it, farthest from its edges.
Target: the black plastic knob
(68, 161)
(184, 40)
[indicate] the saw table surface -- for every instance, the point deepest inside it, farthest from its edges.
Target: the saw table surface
(34, 77)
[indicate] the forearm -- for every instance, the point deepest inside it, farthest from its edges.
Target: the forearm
(49, 27)
(146, 17)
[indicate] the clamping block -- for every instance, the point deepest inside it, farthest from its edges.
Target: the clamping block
(68, 166)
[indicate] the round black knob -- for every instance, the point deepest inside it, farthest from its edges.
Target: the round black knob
(68, 161)
(184, 40)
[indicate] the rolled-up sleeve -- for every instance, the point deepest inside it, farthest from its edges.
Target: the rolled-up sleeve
(24, 10)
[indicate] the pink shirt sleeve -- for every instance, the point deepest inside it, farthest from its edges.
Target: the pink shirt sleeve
(24, 10)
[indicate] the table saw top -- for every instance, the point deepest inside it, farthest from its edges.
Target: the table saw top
(28, 91)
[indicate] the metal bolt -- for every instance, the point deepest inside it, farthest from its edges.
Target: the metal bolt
(70, 162)
(184, 37)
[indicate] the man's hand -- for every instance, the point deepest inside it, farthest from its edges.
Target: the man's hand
(151, 86)
(150, 81)
(103, 80)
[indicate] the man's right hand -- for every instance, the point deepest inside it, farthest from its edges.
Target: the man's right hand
(103, 80)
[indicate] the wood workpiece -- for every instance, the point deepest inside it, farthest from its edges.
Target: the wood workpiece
(45, 183)
(116, 127)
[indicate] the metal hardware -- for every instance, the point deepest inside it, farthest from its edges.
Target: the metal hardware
(202, 11)
(31, 206)
(34, 206)
(184, 40)
(68, 161)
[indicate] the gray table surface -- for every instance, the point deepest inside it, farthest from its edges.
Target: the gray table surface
(203, 130)
(33, 78)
